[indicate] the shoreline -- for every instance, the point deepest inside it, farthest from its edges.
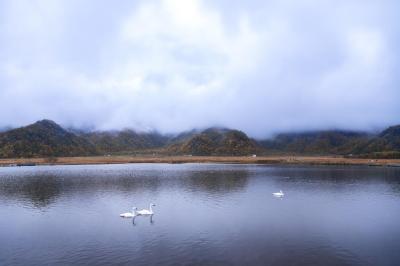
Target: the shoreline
(268, 160)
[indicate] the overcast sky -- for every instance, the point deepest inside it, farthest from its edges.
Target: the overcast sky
(259, 66)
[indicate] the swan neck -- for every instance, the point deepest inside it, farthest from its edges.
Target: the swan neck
(151, 209)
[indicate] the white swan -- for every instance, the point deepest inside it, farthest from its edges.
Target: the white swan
(147, 212)
(129, 214)
(278, 194)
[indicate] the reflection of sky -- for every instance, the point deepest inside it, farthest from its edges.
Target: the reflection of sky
(41, 185)
(204, 213)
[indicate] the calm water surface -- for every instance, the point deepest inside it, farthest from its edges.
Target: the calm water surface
(206, 214)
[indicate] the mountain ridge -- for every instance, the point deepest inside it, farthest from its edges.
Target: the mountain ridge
(43, 138)
(46, 138)
(215, 141)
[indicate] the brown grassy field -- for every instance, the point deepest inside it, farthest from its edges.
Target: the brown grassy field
(309, 160)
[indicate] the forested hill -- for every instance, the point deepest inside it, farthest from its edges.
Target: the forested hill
(41, 139)
(125, 141)
(385, 145)
(317, 142)
(215, 141)
(45, 138)
(335, 142)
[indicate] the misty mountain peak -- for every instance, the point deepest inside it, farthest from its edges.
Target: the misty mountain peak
(47, 123)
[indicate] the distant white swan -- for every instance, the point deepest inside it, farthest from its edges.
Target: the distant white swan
(147, 212)
(129, 214)
(278, 194)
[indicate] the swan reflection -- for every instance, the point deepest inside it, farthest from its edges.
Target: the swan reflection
(150, 218)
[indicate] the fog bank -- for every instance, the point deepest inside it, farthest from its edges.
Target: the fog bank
(259, 66)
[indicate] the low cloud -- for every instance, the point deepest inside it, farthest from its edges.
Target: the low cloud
(171, 65)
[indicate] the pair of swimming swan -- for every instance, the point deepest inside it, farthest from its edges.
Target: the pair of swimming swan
(135, 212)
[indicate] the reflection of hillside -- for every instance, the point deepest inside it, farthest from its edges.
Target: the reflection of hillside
(335, 177)
(217, 181)
(39, 191)
(336, 173)
(43, 190)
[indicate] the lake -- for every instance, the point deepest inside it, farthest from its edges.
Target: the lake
(205, 214)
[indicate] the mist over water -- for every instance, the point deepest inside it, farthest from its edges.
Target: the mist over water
(205, 214)
(259, 66)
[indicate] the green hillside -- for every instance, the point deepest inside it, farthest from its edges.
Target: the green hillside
(124, 141)
(385, 145)
(215, 141)
(317, 142)
(41, 139)
(47, 139)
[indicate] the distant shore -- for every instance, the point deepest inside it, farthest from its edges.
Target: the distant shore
(290, 160)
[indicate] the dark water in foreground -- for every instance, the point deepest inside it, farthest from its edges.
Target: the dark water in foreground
(205, 215)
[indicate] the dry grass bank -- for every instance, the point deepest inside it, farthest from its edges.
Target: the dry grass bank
(310, 160)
